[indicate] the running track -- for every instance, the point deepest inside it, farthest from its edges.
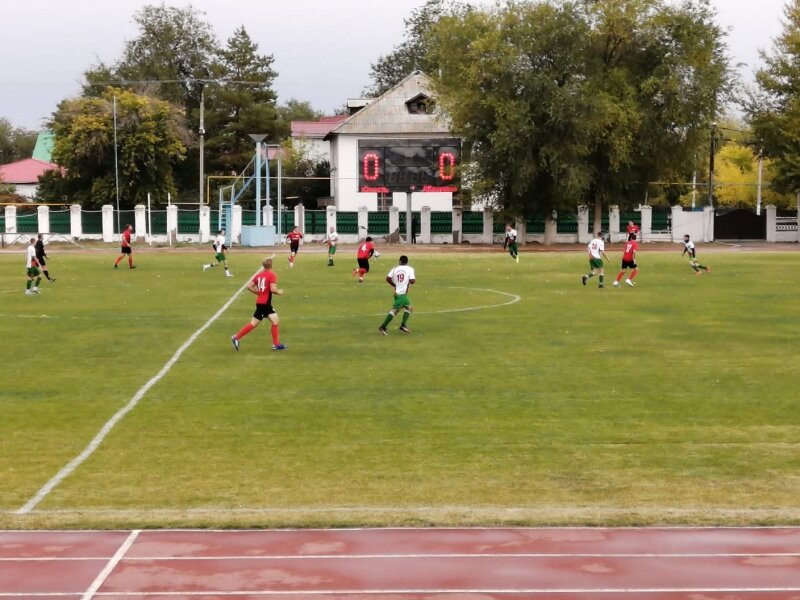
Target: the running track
(403, 564)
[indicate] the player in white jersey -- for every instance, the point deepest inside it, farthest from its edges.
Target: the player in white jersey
(32, 267)
(688, 248)
(511, 242)
(331, 240)
(219, 253)
(400, 278)
(597, 252)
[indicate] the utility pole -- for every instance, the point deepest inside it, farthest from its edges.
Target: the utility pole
(202, 132)
(760, 177)
(711, 164)
(694, 182)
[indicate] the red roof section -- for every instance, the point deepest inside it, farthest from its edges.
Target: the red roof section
(316, 129)
(25, 171)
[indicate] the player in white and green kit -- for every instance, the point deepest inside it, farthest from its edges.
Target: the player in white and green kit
(510, 242)
(219, 253)
(400, 278)
(331, 240)
(32, 267)
(597, 252)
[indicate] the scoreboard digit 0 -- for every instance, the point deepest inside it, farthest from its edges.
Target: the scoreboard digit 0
(409, 165)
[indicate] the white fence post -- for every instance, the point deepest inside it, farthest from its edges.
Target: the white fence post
(583, 225)
(363, 222)
(236, 225)
(205, 223)
(172, 223)
(772, 223)
(425, 225)
(108, 223)
(140, 221)
(522, 230)
(300, 217)
(11, 219)
(458, 224)
(647, 221)
(488, 226)
(613, 223)
(708, 223)
(330, 219)
(75, 221)
(43, 219)
(394, 221)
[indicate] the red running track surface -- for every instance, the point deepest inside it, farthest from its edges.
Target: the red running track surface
(404, 564)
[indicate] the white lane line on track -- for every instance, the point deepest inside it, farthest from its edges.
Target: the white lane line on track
(409, 556)
(70, 467)
(424, 591)
(110, 566)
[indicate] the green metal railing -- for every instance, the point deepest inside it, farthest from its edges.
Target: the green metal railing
(315, 222)
(60, 221)
(347, 222)
(441, 222)
(378, 223)
(472, 222)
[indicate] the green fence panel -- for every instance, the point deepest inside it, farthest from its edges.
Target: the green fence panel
(414, 219)
(158, 219)
(567, 223)
(662, 221)
(534, 224)
(248, 217)
(625, 217)
(472, 222)
(378, 223)
(441, 222)
(189, 221)
(603, 222)
(347, 222)
(92, 222)
(315, 222)
(60, 221)
(27, 223)
(126, 217)
(2, 221)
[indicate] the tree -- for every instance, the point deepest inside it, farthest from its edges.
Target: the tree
(243, 105)
(175, 46)
(512, 84)
(412, 54)
(658, 76)
(773, 109)
(151, 140)
(295, 110)
(582, 100)
(16, 143)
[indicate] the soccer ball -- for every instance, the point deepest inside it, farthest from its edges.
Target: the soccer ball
(376, 254)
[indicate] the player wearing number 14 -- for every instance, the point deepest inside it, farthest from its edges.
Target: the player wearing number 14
(264, 284)
(400, 278)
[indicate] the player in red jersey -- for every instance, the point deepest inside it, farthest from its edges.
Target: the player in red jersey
(125, 247)
(264, 284)
(632, 229)
(366, 250)
(629, 260)
(294, 237)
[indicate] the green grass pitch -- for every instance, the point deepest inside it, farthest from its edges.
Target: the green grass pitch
(672, 402)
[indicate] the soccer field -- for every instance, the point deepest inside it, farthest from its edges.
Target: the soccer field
(519, 397)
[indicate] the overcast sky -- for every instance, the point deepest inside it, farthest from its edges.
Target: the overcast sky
(322, 48)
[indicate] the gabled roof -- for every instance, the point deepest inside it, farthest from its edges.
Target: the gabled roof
(316, 129)
(25, 171)
(44, 146)
(389, 114)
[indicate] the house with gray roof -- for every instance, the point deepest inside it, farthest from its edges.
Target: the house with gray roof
(395, 150)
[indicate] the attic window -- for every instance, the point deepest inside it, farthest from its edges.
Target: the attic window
(420, 105)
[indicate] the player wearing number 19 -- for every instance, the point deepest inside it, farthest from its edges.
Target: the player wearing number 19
(400, 278)
(264, 284)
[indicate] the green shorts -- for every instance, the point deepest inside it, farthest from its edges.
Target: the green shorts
(220, 256)
(33, 272)
(595, 263)
(331, 250)
(401, 301)
(512, 247)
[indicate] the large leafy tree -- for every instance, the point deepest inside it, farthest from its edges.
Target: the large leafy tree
(244, 103)
(773, 110)
(580, 101)
(512, 83)
(658, 75)
(151, 140)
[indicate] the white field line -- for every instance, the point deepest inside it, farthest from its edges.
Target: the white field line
(412, 556)
(70, 467)
(110, 566)
(514, 298)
